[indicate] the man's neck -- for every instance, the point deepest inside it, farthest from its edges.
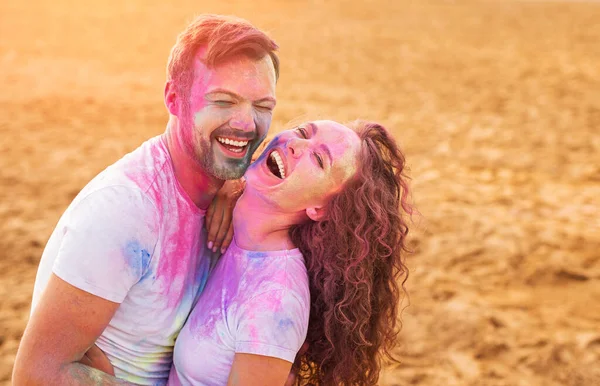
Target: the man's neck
(199, 185)
(259, 227)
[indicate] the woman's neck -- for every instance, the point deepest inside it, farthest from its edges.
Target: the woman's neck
(257, 226)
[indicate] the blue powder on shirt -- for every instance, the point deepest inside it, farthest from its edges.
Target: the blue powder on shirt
(136, 257)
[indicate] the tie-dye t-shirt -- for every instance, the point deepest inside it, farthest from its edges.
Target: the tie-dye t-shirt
(134, 237)
(254, 303)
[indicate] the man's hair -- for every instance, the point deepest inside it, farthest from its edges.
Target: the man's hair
(223, 37)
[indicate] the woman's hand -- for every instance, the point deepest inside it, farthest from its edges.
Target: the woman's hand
(219, 215)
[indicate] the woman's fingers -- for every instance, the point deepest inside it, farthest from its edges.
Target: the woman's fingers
(228, 239)
(220, 213)
(226, 225)
(208, 220)
(214, 224)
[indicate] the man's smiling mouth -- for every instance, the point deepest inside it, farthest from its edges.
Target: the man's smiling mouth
(233, 145)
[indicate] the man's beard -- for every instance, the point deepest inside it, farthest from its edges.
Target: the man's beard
(202, 150)
(228, 169)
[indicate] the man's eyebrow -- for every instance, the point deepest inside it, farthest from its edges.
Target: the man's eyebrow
(325, 148)
(236, 96)
(223, 91)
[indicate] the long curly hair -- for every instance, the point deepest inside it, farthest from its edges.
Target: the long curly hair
(354, 258)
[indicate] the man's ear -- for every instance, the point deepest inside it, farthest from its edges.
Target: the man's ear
(315, 213)
(171, 98)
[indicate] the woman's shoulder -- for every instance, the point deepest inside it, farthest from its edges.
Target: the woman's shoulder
(278, 277)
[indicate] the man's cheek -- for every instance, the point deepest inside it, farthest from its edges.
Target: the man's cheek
(211, 117)
(261, 140)
(264, 125)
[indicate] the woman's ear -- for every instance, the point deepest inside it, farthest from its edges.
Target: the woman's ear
(315, 213)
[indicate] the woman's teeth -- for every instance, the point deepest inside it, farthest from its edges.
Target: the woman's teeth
(234, 146)
(277, 158)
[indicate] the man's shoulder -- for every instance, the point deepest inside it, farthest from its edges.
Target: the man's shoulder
(138, 170)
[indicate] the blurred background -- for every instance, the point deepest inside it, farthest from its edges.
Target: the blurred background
(496, 104)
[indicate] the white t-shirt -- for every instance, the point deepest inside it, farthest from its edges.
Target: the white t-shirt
(255, 303)
(134, 237)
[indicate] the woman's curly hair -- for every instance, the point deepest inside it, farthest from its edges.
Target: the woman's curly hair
(355, 268)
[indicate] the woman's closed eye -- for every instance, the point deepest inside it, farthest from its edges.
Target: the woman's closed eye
(318, 157)
(319, 160)
(224, 103)
(303, 132)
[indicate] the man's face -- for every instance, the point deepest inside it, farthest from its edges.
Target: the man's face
(228, 113)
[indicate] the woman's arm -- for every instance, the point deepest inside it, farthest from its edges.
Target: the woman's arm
(258, 370)
(218, 217)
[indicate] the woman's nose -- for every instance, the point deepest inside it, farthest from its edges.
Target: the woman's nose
(296, 146)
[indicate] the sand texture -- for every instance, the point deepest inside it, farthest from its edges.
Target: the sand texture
(496, 104)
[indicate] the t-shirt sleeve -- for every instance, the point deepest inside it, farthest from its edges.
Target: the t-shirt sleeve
(272, 324)
(108, 242)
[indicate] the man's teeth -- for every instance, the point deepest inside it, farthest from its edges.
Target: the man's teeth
(230, 142)
(277, 158)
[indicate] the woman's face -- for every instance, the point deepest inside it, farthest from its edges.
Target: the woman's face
(301, 168)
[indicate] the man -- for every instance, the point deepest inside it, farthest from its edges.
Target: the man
(127, 261)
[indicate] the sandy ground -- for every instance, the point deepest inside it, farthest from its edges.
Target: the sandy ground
(497, 105)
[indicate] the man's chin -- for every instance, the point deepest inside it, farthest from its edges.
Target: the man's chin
(230, 173)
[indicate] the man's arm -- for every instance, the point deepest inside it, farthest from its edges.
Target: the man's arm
(64, 325)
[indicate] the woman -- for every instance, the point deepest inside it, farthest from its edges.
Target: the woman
(318, 231)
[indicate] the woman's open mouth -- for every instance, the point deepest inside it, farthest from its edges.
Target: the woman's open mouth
(275, 164)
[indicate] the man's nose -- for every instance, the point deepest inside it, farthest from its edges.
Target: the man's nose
(243, 119)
